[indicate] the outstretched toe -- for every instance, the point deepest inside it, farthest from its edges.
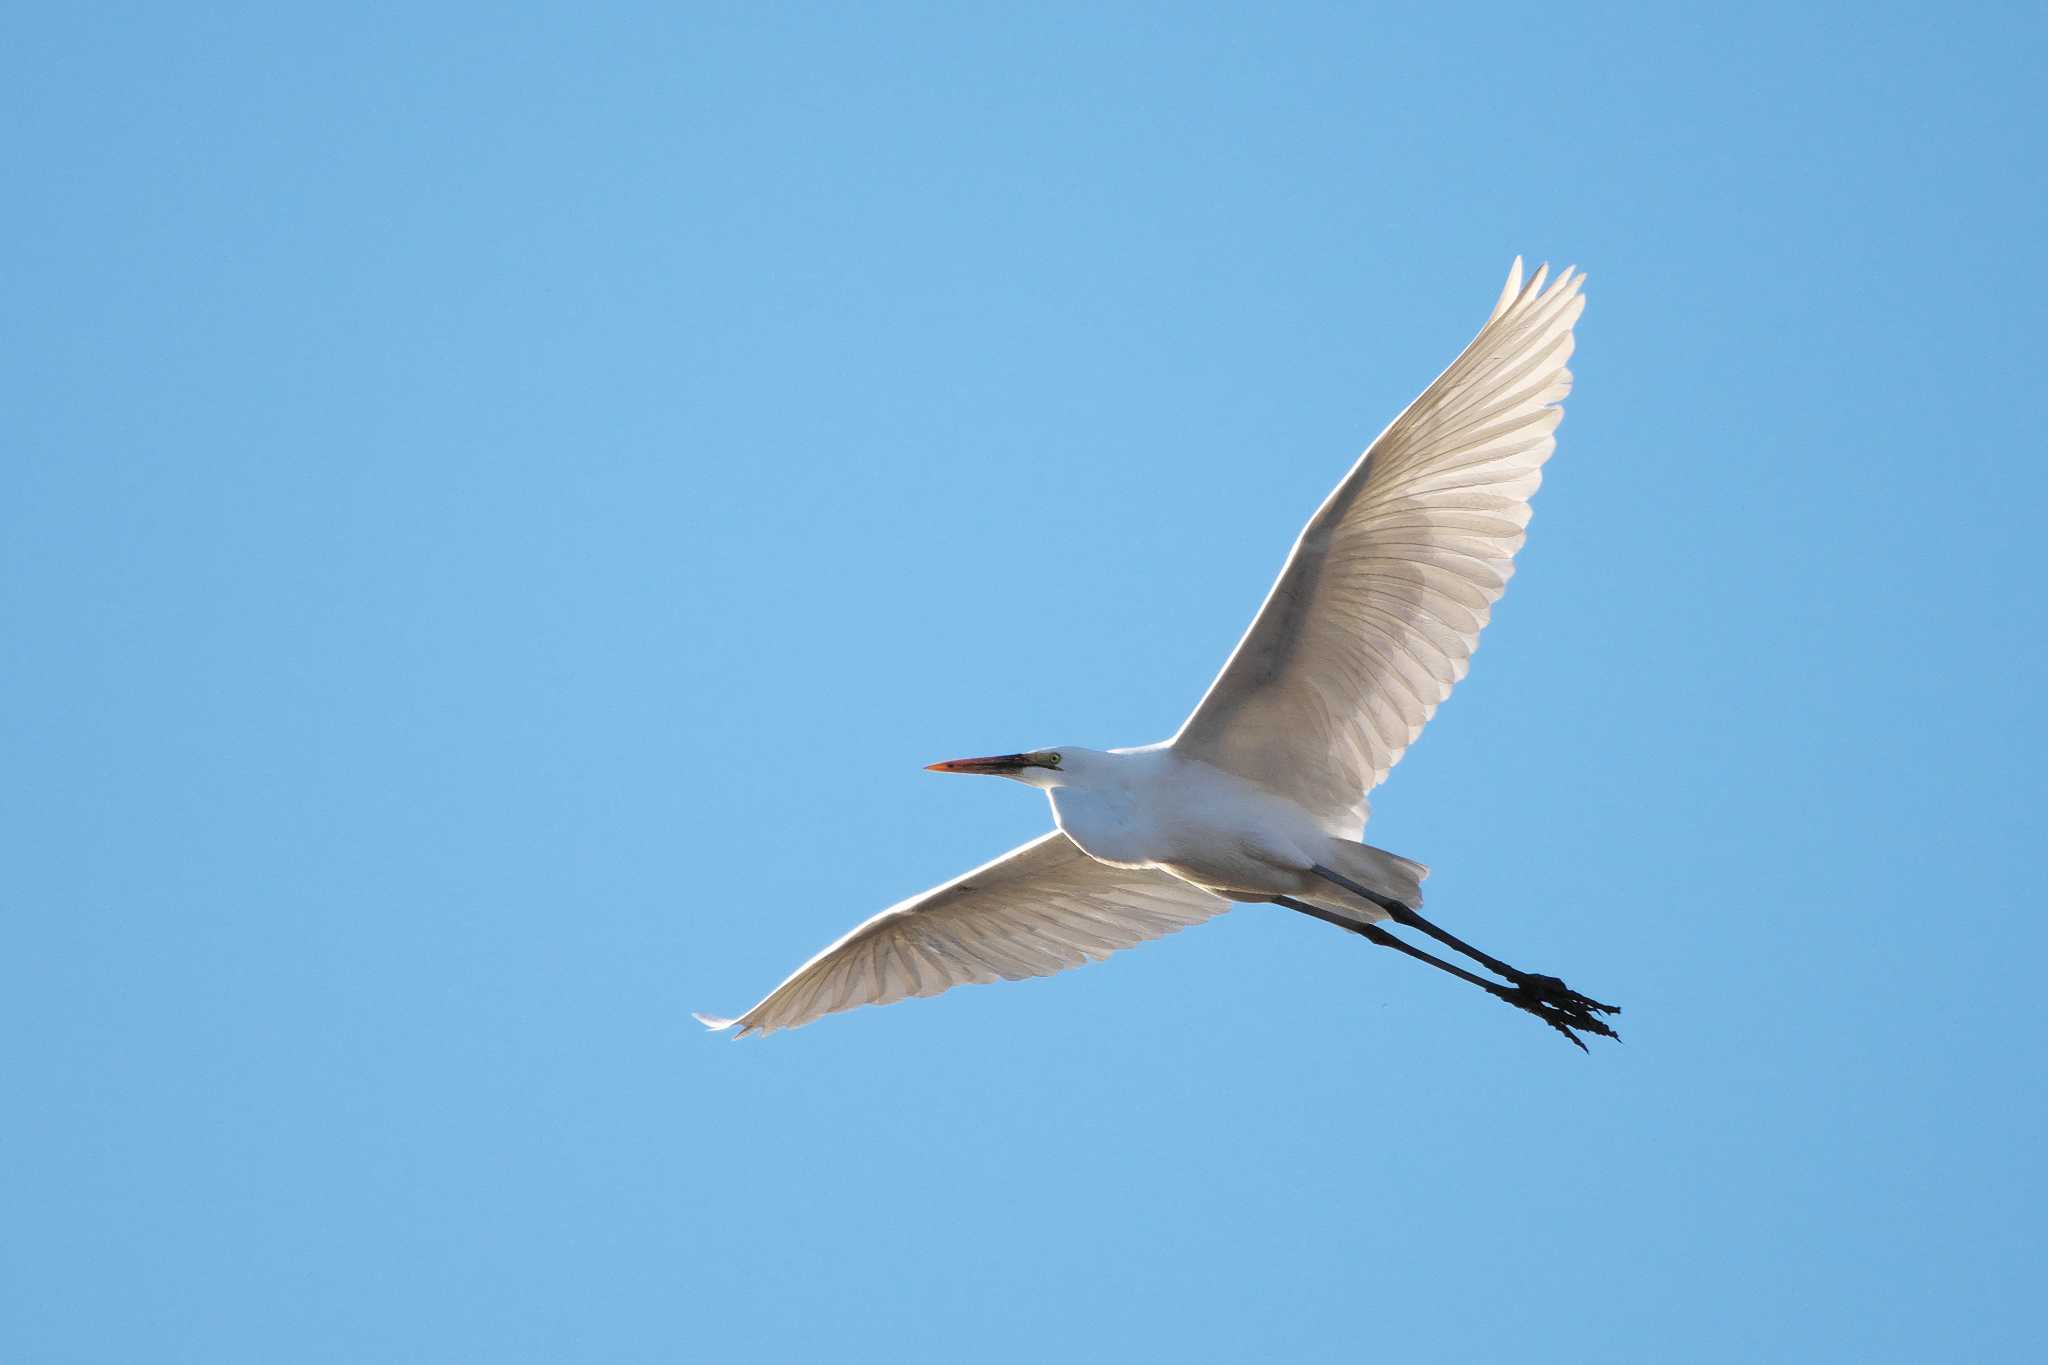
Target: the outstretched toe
(1563, 1009)
(1553, 991)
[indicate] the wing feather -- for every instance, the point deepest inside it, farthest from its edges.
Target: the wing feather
(1036, 910)
(1377, 612)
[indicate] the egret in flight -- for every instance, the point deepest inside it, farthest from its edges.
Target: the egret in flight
(1261, 795)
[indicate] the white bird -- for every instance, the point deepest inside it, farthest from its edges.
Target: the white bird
(1260, 796)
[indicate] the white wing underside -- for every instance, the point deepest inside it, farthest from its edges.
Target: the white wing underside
(1036, 910)
(1375, 615)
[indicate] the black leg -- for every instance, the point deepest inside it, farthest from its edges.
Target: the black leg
(1562, 1018)
(1402, 914)
(1373, 933)
(1547, 989)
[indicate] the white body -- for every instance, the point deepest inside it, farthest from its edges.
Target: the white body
(1371, 623)
(1156, 808)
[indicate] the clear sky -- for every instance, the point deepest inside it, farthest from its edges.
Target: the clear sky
(499, 505)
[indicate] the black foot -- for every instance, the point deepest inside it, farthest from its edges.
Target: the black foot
(1555, 992)
(1559, 1006)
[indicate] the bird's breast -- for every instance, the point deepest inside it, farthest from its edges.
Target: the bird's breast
(1203, 827)
(1105, 825)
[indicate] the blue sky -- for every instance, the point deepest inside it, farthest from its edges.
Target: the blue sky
(499, 506)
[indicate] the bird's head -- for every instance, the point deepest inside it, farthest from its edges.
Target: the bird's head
(1038, 768)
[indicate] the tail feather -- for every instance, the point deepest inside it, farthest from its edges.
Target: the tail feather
(1387, 873)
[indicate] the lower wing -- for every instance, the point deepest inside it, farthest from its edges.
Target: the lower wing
(1038, 909)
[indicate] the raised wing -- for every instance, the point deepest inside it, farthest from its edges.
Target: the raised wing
(1377, 612)
(1036, 910)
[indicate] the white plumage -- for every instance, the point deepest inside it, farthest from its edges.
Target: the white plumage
(1371, 623)
(1036, 910)
(1380, 605)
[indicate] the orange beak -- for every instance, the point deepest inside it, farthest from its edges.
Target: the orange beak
(996, 763)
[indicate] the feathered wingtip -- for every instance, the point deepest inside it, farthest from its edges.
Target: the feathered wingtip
(1515, 291)
(713, 1022)
(1514, 287)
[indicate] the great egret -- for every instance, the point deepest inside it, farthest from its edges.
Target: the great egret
(1371, 623)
